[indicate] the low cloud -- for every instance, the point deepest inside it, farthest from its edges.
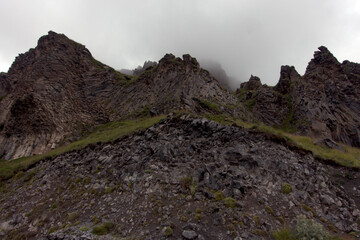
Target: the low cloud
(245, 37)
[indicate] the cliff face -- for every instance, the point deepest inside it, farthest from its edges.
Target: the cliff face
(56, 90)
(328, 98)
(324, 103)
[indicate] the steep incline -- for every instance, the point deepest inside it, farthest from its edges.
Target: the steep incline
(324, 103)
(193, 176)
(57, 90)
(328, 98)
(174, 83)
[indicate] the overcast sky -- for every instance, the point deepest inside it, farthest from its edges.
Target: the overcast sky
(245, 36)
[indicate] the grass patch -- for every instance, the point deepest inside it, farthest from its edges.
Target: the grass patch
(168, 231)
(350, 157)
(208, 105)
(103, 229)
(283, 234)
(105, 133)
(218, 195)
(286, 188)
(229, 202)
(220, 118)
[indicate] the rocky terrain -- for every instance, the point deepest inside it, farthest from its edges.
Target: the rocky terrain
(183, 178)
(186, 177)
(57, 90)
(324, 103)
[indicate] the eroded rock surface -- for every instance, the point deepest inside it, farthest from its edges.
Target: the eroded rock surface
(324, 103)
(201, 179)
(57, 90)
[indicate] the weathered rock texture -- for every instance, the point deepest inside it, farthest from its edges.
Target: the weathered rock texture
(324, 103)
(199, 178)
(174, 83)
(56, 90)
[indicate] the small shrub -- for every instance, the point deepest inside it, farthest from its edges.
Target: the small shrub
(73, 216)
(229, 202)
(103, 229)
(168, 231)
(78, 180)
(286, 188)
(269, 210)
(109, 190)
(219, 195)
(183, 218)
(84, 229)
(198, 217)
(309, 229)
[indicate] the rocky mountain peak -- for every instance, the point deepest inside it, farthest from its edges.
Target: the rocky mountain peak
(322, 58)
(48, 46)
(254, 83)
(188, 60)
(288, 74)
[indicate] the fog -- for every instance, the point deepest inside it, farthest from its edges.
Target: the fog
(245, 37)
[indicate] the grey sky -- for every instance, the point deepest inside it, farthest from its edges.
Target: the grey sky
(245, 36)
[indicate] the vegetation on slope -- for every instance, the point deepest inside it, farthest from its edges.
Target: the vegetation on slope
(105, 133)
(350, 157)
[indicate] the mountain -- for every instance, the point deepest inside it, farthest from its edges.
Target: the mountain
(91, 153)
(324, 103)
(57, 90)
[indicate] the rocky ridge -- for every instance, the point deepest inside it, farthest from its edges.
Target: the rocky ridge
(186, 178)
(57, 90)
(324, 103)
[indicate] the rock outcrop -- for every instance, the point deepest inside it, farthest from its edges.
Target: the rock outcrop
(324, 103)
(174, 83)
(327, 99)
(184, 177)
(57, 90)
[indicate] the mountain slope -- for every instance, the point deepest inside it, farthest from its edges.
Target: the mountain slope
(183, 177)
(57, 90)
(324, 103)
(172, 84)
